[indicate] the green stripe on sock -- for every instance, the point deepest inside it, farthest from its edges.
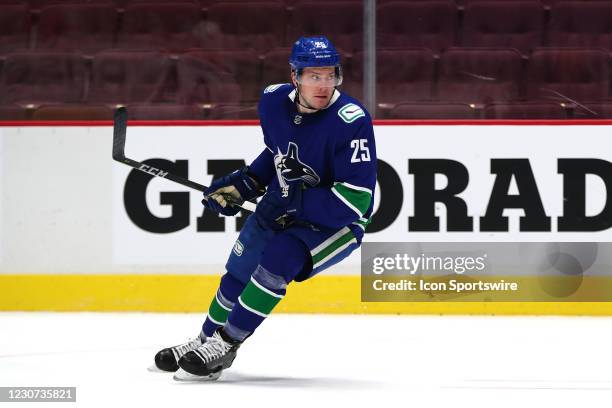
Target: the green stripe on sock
(217, 312)
(257, 299)
(364, 223)
(359, 199)
(332, 247)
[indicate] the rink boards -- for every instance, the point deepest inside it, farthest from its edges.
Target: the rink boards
(81, 232)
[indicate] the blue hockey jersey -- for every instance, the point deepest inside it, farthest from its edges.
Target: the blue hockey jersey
(332, 151)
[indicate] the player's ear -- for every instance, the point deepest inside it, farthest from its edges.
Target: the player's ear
(293, 79)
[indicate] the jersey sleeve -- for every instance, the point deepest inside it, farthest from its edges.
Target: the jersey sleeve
(263, 165)
(351, 197)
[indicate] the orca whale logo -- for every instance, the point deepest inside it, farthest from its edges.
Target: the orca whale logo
(290, 168)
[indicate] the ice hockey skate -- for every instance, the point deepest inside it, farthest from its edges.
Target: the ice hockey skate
(208, 361)
(167, 359)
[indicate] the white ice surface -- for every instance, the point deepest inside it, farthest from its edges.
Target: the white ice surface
(319, 361)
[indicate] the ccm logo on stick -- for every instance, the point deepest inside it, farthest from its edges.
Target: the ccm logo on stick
(153, 171)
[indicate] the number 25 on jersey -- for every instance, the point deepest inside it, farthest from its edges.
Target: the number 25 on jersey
(361, 153)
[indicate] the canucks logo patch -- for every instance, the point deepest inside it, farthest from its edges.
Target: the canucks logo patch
(350, 113)
(272, 88)
(238, 248)
(290, 168)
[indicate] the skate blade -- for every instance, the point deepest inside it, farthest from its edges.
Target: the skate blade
(182, 375)
(154, 369)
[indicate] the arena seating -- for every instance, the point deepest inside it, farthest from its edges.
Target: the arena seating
(232, 111)
(120, 77)
(163, 26)
(275, 67)
(73, 112)
(77, 27)
(238, 25)
(527, 110)
(430, 24)
(197, 59)
(341, 21)
(476, 75)
(581, 24)
(13, 112)
(593, 110)
(433, 110)
(401, 75)
(165, 112)
(42, 77)
(578, 74)
(14, 27)
(232, 71)
(514, 24)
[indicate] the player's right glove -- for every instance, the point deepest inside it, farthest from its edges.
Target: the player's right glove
(278, 210)
(235, 188)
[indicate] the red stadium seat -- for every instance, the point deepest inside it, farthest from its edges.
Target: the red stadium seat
(218, 77)
(527, 110)
(233, 111)
(165, 112)
(402, 75)
(509, 24)
(73, 112)
(562, 74)
(45, 77)
(159, 26)
(593, 110)
(479, 75)
(123, 77)
(13, 112)
(14, 27)
(40, 4)
(553, 3)
(83, 27)
(581, 24)
(292, 3)
(429, 24)
(258, 25)
(428, 110)
(275, 68)
(340, 21)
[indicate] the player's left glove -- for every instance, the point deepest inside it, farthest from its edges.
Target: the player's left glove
(234, 188)
(277, 210)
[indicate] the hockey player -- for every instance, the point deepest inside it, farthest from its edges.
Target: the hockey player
(318, 172)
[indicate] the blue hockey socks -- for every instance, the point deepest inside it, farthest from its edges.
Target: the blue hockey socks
(284, 258)
(221, 305)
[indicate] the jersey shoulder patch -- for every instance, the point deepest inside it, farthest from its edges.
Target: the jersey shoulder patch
(272, 88)
(350, 112)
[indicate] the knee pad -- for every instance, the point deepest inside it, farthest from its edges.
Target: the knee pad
(285, 256)
(230, 288)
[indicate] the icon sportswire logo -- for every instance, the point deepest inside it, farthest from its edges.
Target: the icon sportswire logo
(350, 113)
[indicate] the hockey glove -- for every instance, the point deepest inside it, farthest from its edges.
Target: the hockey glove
(278, 210)
(234, 188)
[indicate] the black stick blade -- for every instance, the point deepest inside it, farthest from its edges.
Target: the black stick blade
(119, 133)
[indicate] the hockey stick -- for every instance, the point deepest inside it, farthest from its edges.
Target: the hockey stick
(119, 135)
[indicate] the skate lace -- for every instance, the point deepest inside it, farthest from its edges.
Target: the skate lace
(187, 347)
(214, 348)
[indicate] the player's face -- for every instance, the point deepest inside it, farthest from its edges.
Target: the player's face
(316, 85)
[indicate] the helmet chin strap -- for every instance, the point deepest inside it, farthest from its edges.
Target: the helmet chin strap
(298, 100)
